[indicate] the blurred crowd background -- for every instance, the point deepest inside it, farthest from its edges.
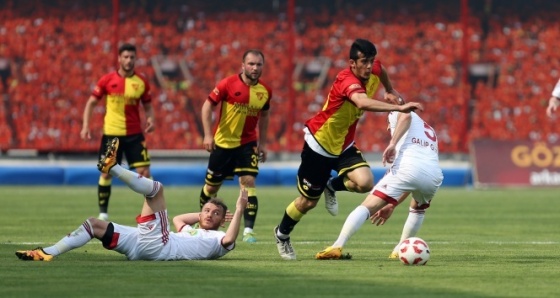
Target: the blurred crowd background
(53, 52)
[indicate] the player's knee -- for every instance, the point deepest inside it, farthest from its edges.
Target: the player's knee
(98, 226)
(247, 181)
(144, 171)
(304, 204)
(363, 186)
(158, 188)
(360, 181)
(212, 189)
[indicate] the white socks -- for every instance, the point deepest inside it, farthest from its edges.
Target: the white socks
(78, 238)
(412, 224)
(135, 181)
(352, 224)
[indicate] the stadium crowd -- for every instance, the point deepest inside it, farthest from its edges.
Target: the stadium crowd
(57, 50)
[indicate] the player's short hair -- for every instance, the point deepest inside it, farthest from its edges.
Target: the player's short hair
(218, 202)
(363, 46)
(254, 52)
(127, 47)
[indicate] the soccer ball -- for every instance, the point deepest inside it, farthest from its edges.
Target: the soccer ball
(414, 251)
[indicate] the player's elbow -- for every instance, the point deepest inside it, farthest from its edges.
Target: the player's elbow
(227, 241)
(361, 104)
(178, 223)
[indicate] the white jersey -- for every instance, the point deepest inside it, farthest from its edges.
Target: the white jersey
(415, 168)
(152, 240)
(556, 91)
(418, 145)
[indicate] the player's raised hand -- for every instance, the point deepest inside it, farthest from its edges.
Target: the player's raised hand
(393, 97)
(228, 218)
(243, 199)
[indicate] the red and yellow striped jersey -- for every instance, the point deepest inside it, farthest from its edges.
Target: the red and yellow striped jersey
(240, 110)
(123, 96)
(334, 127)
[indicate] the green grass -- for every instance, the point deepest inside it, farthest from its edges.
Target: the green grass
(492, 243)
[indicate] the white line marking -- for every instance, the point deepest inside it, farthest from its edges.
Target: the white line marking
(350, 242)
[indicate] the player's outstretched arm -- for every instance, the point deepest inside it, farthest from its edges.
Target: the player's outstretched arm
(363, 102)
(233, 229)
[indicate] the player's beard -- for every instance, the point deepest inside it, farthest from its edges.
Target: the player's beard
(127, 67)
(254, 77)
(209, 226)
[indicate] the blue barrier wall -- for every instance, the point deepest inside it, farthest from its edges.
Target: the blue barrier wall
(181, 176)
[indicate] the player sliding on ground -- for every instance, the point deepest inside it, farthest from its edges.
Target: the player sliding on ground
(152, 239)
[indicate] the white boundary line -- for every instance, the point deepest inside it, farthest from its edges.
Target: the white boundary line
(352, 242)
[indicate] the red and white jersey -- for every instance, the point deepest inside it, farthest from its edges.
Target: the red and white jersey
(196, 244)
(415, 168)
(418, 145)
(152, 240)
(556, 91)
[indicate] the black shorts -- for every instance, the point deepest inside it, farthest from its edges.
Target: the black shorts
(133, 147)
(315, 169)
(225, 163)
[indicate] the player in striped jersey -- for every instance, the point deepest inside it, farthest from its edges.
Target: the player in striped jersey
(125, 91)
(235, 146)
(329, 139)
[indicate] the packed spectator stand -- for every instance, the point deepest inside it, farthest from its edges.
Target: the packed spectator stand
(57, 50)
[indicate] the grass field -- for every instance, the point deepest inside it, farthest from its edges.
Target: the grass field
(492, 243)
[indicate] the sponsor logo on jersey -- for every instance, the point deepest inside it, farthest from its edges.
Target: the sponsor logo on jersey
(354, 86)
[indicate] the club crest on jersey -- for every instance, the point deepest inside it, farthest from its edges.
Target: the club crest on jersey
(135, 86)
(260, 95)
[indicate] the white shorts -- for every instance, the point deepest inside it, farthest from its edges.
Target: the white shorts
(421, 181)
(146, 241)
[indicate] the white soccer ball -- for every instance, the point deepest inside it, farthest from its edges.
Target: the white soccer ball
(414, 251)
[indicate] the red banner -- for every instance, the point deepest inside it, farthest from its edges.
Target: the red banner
(515, 163)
